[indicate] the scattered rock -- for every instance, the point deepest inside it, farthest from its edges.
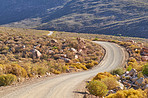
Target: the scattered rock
(127, 72)
(47, 74)
(127, 84)
(146, 86)
(50, 51)
(132, 72)
(76, 57)
(135, 86)
(111, 91)
(144, 58)
(140, 82)
(66, 59)
(36, 53)
(121, 86)
(73, 50)
(128, 77)
(134, 79)
(39, 76)
(54, 41)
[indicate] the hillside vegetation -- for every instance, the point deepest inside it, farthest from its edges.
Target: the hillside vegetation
(113, 17)
(26, 54)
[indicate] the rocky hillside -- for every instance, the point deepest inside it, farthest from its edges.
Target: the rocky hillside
(113, 17)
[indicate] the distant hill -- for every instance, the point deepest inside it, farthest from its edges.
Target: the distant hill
(113, 17)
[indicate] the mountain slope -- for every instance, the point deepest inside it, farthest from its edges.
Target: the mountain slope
(114, 17)
(16, 10)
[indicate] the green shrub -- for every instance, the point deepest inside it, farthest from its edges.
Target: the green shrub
(97, 88)
(7, 79)
(118, 71)
(111, 83)
(145, 69)
(96, 39)
(129, 68)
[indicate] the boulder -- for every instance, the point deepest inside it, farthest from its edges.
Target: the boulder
(47, 74)
(66, 59)
(80, 50)
(145, 50)
(127, 84)
(73, 50)
(36, 53)
(127, 72)
(76, 57)
(140, 82)
(111, 91)
(144, 58)
(135, 86)
(63, 55)
(128, 77)
(132, 72)
(134, 79)
(54, 41)
(50, 51)
(121, 86)
(146, 86)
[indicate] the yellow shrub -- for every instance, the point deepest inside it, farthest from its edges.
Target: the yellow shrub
(7, 79)
(131, 93)
(110, 82)
(103, 75)
(55, 71)
(1, 69)
(16, 70)
(95, 62)
(41, 70)
(132, 59)
(78, 66)
(89, 65)
(83, 67)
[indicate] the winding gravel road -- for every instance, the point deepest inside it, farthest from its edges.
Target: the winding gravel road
(62, 86)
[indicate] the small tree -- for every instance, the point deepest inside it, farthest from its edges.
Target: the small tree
(97, 88)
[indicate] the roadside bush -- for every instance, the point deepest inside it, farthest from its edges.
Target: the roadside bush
(79, 66)
(111, 83)
(55, 71)
(131, 93)
(7, 79)
(16, 70)
(118, 71)
(103, 75)
(97, 88)
(41, 70)
(145, 69)
(1, 69)
(132, 59)
(89, 65)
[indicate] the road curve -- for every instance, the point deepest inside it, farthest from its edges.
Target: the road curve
(62, 86)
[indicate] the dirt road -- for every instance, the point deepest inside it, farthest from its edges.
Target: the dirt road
(62, 86)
